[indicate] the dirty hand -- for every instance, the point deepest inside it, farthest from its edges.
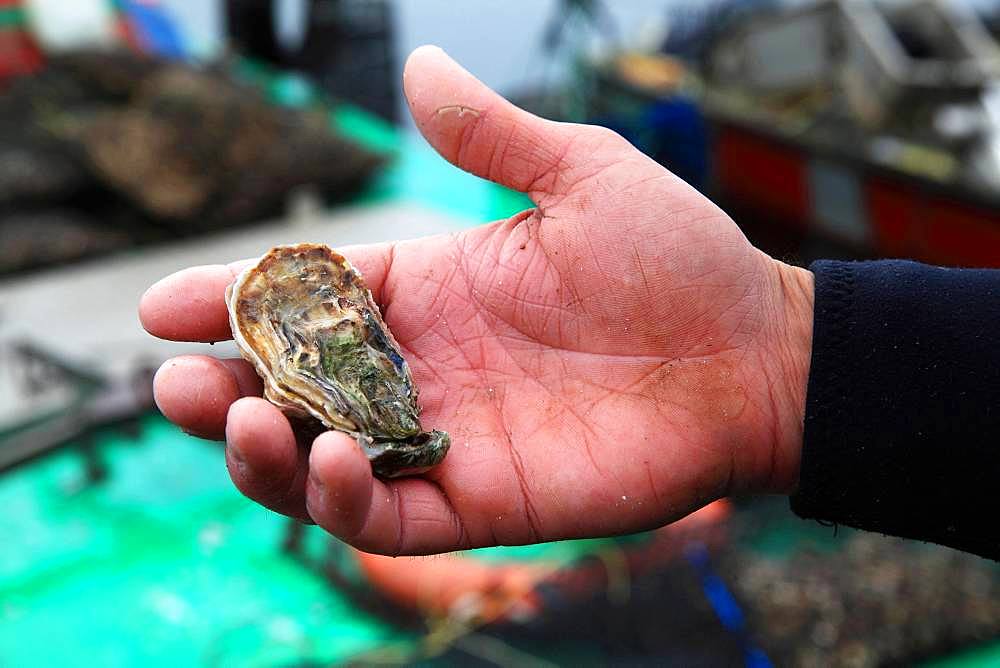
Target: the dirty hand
(605, 363)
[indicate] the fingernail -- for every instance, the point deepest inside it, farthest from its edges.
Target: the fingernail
(430, 46)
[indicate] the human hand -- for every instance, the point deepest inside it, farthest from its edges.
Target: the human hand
(605, 363)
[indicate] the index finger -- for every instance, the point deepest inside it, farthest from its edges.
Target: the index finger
(190, 305)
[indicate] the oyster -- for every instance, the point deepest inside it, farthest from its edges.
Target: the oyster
(305, 319)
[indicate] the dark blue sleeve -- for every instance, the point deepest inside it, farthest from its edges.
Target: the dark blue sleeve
(902, 424)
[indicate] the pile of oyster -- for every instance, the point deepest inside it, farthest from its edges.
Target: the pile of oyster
(104, 150)
(306, 320)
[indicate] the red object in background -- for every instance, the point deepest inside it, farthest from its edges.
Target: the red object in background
(961, 234)
(126, 32)
(912, 223)
(895, 216)
(907, 217)
(761, 174)
(19, 54)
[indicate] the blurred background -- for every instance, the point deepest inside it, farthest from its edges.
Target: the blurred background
(139, 137)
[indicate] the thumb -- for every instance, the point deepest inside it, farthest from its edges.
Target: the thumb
(477, 130)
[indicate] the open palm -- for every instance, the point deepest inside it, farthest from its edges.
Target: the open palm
(606, 362)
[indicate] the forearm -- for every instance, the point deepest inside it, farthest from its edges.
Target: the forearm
(902, 422)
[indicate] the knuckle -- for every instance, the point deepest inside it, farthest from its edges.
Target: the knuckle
(606, 138)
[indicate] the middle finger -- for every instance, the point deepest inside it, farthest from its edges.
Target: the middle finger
(195, 392)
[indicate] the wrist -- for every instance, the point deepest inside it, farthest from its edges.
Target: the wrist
(791, 351)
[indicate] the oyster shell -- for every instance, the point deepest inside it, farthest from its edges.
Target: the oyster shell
(305, 319)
